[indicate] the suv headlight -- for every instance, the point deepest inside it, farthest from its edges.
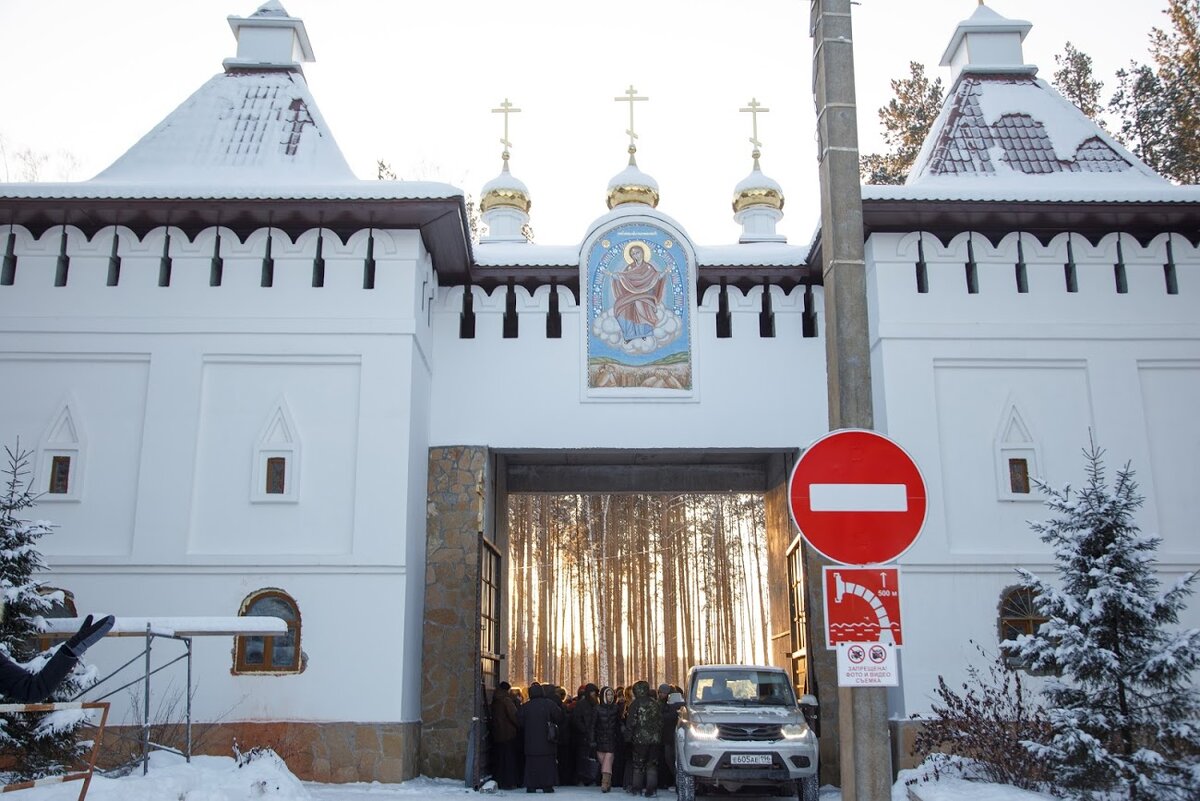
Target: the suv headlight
(795, 731)
(704, 731)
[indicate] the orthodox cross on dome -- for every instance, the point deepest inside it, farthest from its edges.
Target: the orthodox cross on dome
(506, 108)
(631, 96)
(755, 108)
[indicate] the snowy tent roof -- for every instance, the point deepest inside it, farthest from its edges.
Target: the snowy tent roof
(256, 124)
(245, 127)
(1003, 131)
(1005, 135)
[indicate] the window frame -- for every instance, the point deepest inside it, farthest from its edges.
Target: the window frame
(1027, 615)
(268, 667)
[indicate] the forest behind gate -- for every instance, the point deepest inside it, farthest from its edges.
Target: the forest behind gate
(616, 588)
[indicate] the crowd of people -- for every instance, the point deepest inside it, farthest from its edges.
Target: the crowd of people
(608, 737)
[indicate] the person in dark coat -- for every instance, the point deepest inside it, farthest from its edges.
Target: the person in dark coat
(20, 685)
(504, 736)
(671, 701)
(643, 721)
(606, 734)
(534, 717)
(623, 763)
(583, 719)
(566, 739)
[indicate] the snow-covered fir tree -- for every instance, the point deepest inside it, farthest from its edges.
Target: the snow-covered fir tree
(1123, 709)
(42, 744)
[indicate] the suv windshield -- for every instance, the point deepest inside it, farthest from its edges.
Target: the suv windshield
(741, 686)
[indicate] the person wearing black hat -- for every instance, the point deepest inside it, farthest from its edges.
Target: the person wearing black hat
(27, 687)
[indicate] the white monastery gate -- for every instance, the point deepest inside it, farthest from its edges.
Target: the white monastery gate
(255, 384)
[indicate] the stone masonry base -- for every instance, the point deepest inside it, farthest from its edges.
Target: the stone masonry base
(321, 752)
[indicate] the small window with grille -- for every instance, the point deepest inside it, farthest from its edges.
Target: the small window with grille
(1019, 614)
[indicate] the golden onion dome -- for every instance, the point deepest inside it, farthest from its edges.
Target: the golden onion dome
(505, 191)
(756, 189)
(631, 185)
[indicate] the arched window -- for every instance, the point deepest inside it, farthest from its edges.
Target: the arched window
(62, 604)
(1018, 614)
(278, 653)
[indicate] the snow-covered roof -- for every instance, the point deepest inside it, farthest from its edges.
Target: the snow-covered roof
(248, 625)
(253, 132)
(243, 127)
(354, 189)
(1007, 129)
(518, 254)
(753, 254)
(1019, 188)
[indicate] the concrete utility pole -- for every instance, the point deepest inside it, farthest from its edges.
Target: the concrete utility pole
(865, 750)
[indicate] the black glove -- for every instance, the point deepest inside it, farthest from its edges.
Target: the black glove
(89, 634)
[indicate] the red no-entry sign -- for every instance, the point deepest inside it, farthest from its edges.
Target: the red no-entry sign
(857, 497)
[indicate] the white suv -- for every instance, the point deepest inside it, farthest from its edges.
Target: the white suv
(742, 727)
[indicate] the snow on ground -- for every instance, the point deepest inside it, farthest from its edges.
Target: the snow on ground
(220, 779)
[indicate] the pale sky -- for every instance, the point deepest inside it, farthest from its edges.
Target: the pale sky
(413, 82)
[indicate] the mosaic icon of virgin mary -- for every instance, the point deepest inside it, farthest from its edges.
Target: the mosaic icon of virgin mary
(636, 319)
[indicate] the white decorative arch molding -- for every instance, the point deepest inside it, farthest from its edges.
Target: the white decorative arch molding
(276, 469)
(62, 452)
(1018, 456)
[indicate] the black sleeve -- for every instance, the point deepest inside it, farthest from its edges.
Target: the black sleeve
(24, 687)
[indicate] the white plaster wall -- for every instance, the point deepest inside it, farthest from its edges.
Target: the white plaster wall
(524, 392)
(172, 387)
(345, 636)
(947, 364)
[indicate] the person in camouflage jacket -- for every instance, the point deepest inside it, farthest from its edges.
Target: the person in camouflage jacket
(643, 727)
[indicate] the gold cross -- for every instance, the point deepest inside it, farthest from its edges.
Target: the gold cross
(506, 108)
(630, 98)
(755, 108)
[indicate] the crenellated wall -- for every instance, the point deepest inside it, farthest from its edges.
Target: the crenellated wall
(136, 284)
(967, 380)
(1093, 299)
(534, 383)
(169, 391)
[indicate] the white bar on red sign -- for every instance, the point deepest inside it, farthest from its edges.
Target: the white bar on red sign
(858, 498)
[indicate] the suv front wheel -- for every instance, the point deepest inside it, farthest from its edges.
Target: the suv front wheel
(808, 789)
(685, 784)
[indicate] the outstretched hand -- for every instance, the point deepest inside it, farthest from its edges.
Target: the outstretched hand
(89, 634)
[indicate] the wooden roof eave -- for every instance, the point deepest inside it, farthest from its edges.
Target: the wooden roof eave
(441, 221)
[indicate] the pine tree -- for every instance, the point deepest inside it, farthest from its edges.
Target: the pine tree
(1122, 708)
(41, 744)
(1143, 106)
(1075, 81)
(1159, 105)
(1176, 53)
(906, 120)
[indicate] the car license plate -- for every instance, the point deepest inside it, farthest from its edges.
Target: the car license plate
(749, 759)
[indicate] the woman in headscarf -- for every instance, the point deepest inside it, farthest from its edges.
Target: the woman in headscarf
(535, 718)
(606, 732)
